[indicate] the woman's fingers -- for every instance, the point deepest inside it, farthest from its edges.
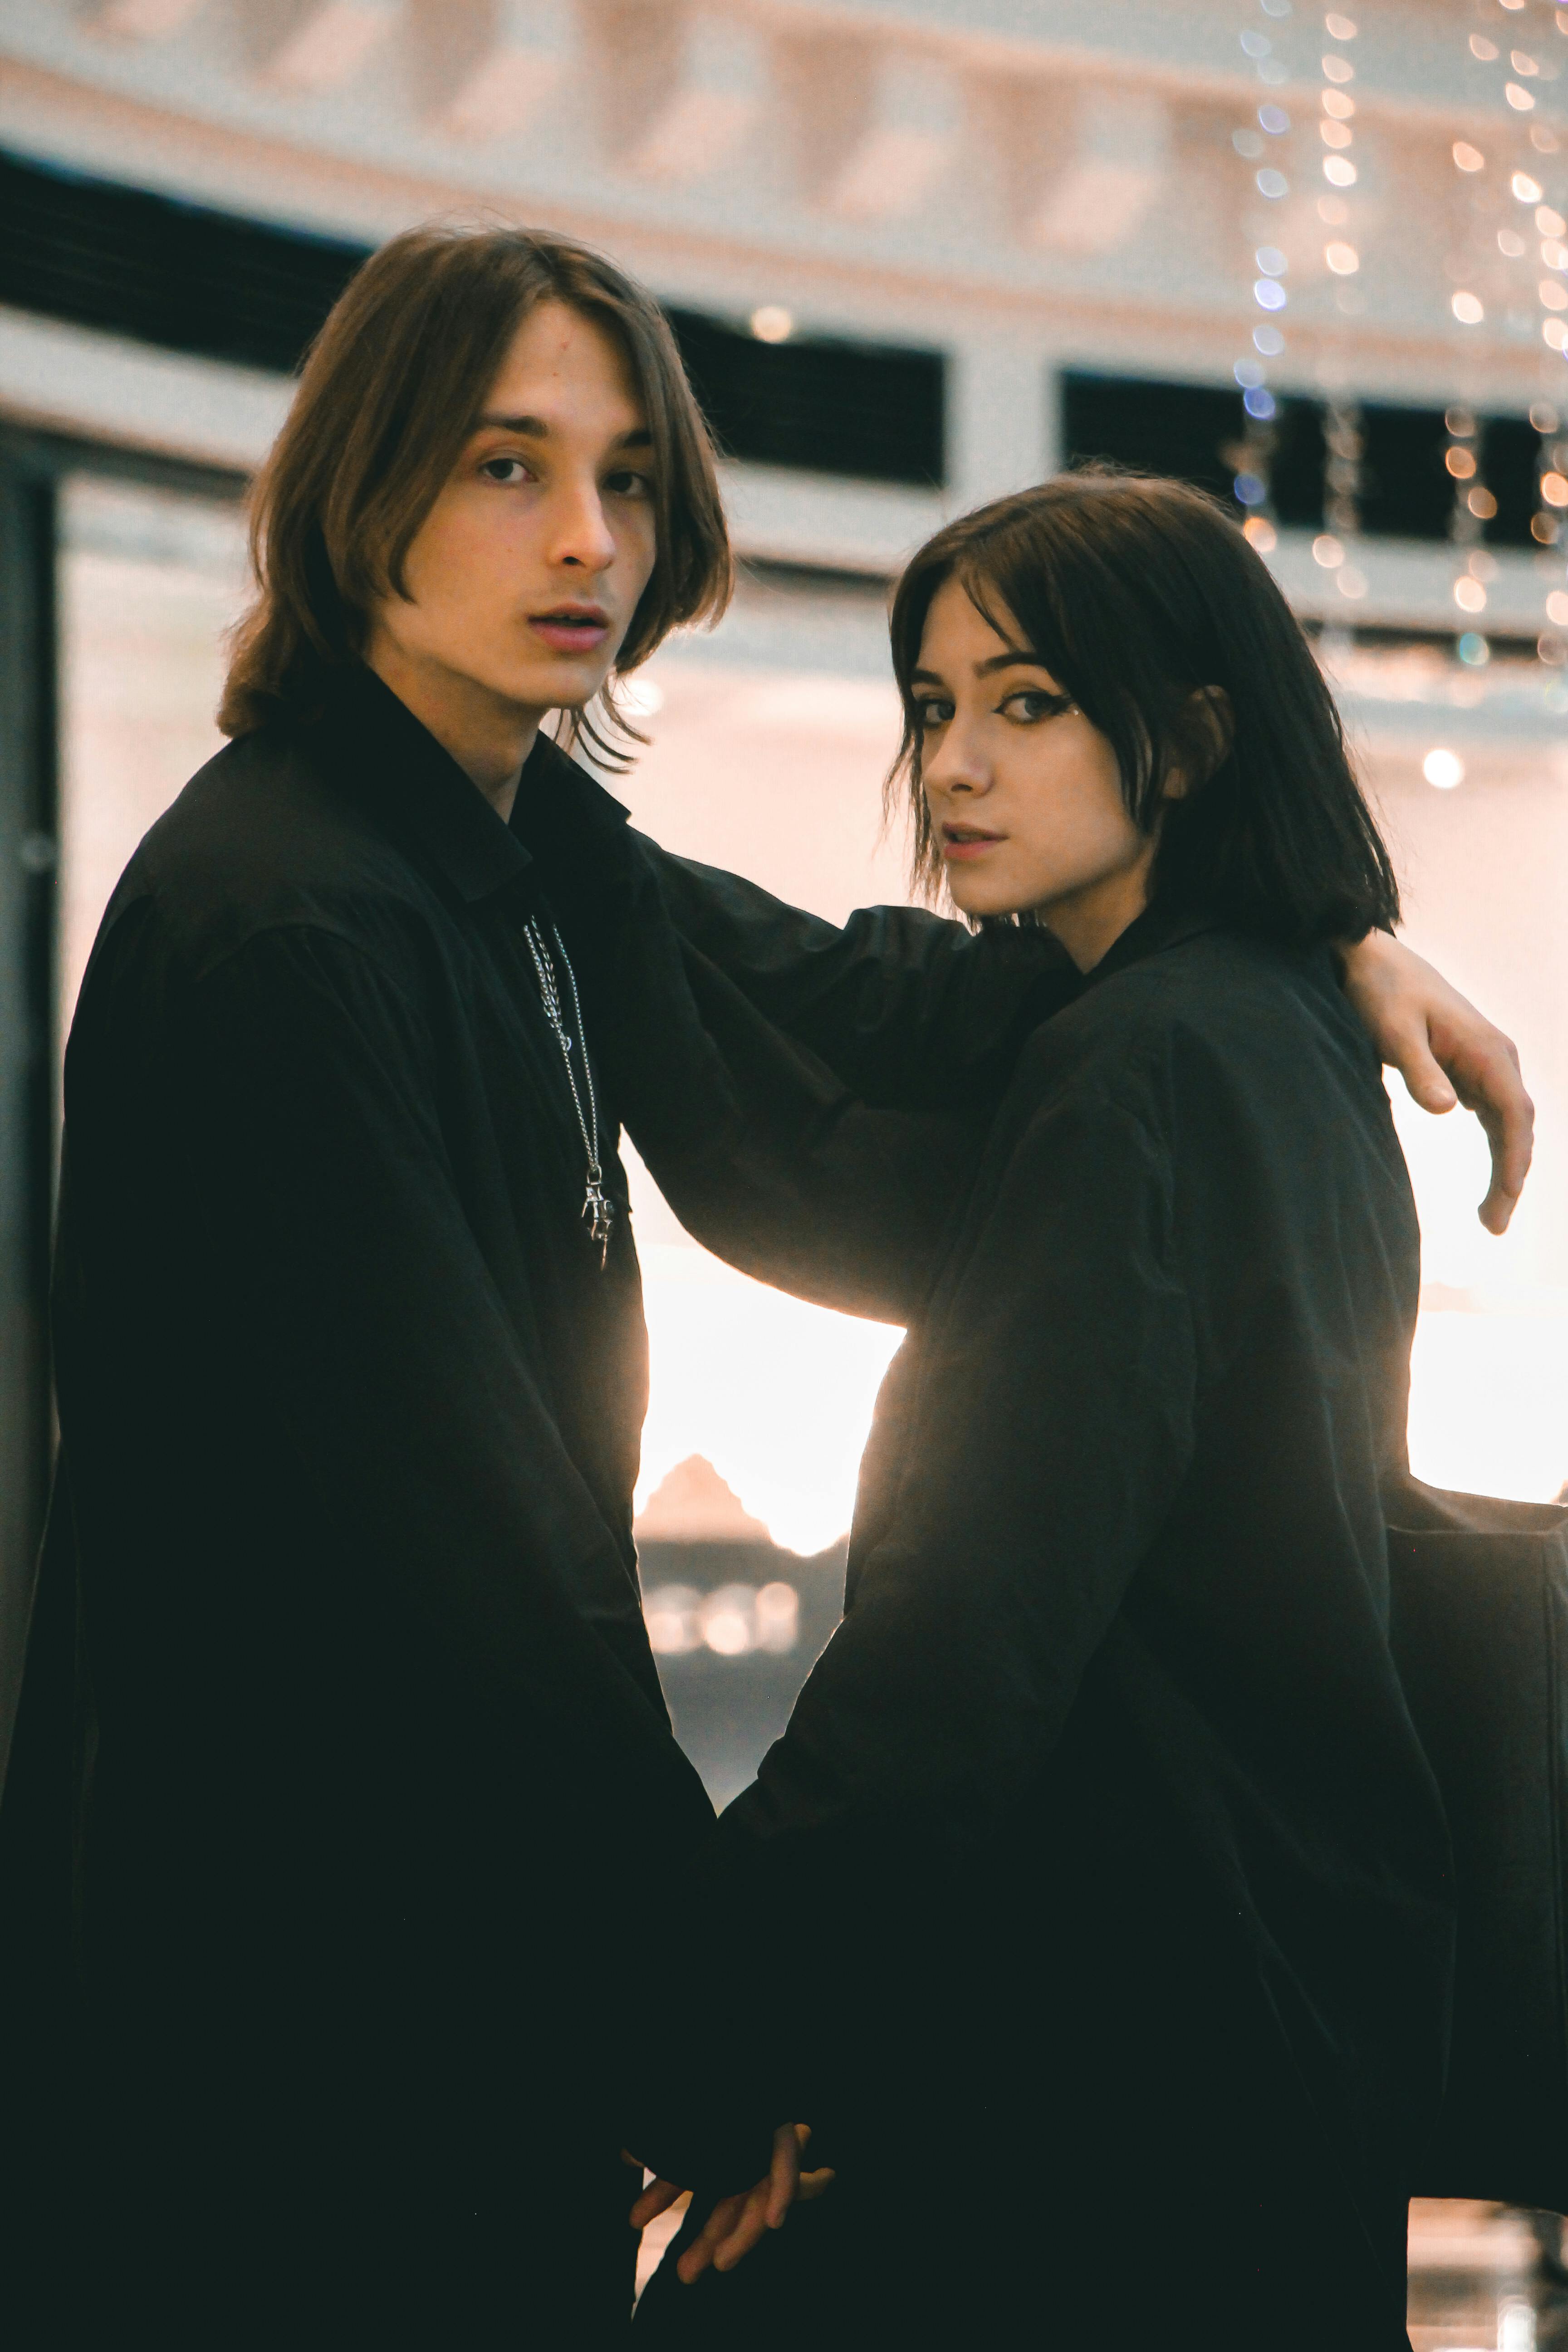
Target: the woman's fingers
(750, 2224)
(657, 2199)
(783, 2173)
(736, 2224)
(711, 2236)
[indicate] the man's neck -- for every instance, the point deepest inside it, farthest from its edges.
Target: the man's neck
(489, 739)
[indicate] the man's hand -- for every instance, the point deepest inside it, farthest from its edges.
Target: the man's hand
(1446, 1053)
(736, 2223)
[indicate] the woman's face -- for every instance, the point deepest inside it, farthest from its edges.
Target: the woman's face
(1025, 796)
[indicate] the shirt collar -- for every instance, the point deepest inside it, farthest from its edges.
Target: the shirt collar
(1150, 933)
(558, 802)
(418, 789)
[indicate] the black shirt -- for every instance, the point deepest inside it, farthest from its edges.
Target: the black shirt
(342, 1761)
(1104, 1800)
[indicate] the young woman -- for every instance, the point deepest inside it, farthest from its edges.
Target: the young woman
(1095, 1905)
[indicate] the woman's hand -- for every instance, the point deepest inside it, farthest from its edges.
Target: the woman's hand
(736, 2224)
(1446, 1053)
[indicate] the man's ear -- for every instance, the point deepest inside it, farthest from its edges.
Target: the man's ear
(1209, 730)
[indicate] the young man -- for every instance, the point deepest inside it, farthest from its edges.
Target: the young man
(342, 1764)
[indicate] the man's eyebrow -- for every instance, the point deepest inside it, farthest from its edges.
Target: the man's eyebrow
(527, 428)
(535, 429)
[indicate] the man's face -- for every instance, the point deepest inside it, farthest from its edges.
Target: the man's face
(523, 577)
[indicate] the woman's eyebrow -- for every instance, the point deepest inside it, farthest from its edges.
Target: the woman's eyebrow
(1009, 660)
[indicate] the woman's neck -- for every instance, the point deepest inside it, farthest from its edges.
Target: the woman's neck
(1090, 921)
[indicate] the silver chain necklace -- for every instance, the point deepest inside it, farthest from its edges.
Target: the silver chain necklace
(599, 1209)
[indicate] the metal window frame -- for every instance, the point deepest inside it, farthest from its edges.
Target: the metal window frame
(33, 466)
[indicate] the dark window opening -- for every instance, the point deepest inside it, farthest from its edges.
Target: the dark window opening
(176, 275)
(1511, 454)
(865, 411)
(186, 278)
(1406, 492)
(1196, 432)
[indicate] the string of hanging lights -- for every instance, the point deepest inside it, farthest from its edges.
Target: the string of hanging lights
(1508, 201)
(1337, 547)
(1259, 143)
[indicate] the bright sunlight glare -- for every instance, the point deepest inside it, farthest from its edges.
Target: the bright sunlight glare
(776, 1393)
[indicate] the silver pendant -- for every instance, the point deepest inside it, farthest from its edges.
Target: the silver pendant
(599, 1213)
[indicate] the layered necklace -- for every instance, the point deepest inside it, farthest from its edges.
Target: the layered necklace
(599, 1209)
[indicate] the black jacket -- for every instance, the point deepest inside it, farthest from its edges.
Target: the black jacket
(342, 1764)
(1104, 1800)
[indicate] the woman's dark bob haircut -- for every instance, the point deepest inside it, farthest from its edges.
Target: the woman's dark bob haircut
(388, 398)
(1136, 594)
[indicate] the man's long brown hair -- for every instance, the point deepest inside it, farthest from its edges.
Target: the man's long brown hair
(390, 393)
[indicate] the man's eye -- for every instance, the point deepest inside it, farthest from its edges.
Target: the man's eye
(505, 471)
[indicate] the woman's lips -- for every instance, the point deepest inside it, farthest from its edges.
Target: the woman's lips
(956, 846)
(565, 632)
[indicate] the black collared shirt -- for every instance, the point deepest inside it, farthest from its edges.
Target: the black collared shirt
(1105, 1796)
(371, 1749)
(341, 1735)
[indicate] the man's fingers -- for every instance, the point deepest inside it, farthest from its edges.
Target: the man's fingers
(814, 2185)
(1491, 1086)
(657, 2199)
(1410, 1048)
(1425, 1082)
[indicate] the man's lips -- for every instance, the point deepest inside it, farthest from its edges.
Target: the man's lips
(570, 628)
(966, 841)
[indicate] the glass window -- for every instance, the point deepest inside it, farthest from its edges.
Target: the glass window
(150, 580)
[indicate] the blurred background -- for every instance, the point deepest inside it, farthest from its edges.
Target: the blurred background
(917, 252)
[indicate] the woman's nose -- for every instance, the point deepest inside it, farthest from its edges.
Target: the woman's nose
(956, 769)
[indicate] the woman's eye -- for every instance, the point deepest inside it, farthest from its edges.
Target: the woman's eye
(505, 471)
(1032, 703)
(628, 485)
(931, 713)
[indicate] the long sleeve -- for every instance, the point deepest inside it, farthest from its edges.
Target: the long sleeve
(1038, 1428)
(409, 1418)
(764, 1153)
(1047, 1417)
(909, 1011)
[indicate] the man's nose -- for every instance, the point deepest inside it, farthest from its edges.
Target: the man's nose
(583, 537)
